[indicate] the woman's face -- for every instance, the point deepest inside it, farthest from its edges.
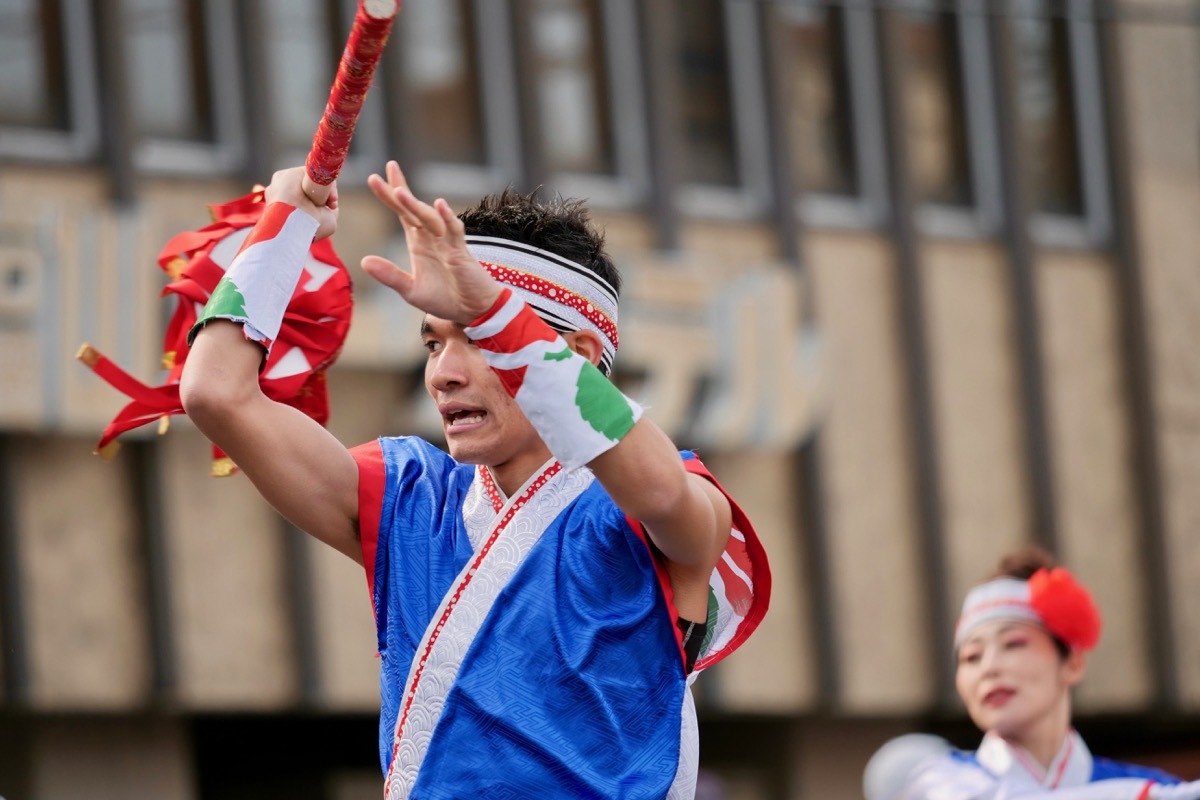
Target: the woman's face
(1012, 677)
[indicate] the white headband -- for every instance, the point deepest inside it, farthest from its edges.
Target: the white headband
(1003, 598)
(566, 295)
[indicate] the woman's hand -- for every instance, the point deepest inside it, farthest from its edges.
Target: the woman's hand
(1180, 791)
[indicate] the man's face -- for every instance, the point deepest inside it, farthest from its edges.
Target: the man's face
(481, 422)
(1012, 677)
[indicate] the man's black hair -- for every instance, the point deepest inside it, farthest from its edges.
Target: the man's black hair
(559, 225)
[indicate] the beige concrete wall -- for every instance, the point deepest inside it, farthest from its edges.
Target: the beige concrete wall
(366, 404)
(867, 473)
(774, 672)
(1088, 418)
(347, 668)
(1162, 98)
(85, 618)
(231, 626)
(979, 426)
(92, 277)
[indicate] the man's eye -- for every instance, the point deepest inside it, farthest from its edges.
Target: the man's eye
(432, 346)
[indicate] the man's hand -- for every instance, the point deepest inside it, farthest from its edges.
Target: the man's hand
(446, 280)
(294, 187)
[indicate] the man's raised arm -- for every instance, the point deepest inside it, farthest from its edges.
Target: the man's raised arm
(585, 419)
(579, 414)
(299, 467)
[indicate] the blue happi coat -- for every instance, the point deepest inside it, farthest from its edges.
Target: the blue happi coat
(553, 666)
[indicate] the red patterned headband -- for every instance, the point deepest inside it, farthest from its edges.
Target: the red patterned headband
(1050, 598)
(563, 293)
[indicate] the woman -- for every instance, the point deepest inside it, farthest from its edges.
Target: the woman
(1021, 644)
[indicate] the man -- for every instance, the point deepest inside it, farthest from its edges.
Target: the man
(543, 594)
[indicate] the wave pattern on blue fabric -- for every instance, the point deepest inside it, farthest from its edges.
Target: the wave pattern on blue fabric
(573, 685)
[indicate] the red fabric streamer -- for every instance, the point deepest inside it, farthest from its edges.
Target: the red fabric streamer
(355, 70)
(318, 316)
(316, 323)
(1066, 607)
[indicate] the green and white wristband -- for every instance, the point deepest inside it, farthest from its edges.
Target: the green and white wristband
(259, 284)
(577, 411)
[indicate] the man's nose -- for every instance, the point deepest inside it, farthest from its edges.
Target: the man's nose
(450, 366)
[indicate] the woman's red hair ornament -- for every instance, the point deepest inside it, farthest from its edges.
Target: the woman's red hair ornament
(1066, 607)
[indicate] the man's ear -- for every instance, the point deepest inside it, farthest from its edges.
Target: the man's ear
(586, 343)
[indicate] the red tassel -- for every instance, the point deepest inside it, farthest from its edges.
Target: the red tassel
(316, 323)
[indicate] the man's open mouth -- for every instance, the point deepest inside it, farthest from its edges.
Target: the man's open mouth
(466, 417)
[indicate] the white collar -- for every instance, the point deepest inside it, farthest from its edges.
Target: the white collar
(1071, 767)
(484, 501)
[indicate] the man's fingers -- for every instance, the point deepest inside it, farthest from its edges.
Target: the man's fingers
(413, 213)
(399, 200)
(395, 175)
(422, 215)
(453, 226)
(383, 192)
(388, 274)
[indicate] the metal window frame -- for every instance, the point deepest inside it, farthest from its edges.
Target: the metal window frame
(867, 207)
(1094, 227)
(912, 318)
(81, 141)
(1141, 388)
(750, 199)
(1016, 235)
(629, 185)
(368, 149)
(503, 160)
(809, 503)
(226, 153)
(982, 216)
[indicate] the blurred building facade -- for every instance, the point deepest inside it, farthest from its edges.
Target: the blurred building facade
(918, 278)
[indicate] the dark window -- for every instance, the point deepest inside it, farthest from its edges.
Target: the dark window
(33, 91)
(168, 78)
(304, 40)
(706, 107)
(572, 86)
(441, 69)
(935, 106)
(819, 111)
(1045, 95)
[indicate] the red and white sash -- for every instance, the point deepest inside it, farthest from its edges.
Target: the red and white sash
(499, 550)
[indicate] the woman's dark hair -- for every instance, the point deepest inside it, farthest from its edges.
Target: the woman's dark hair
(561, 226)
(1021, 564)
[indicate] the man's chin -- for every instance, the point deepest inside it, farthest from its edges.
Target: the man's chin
(463, 453)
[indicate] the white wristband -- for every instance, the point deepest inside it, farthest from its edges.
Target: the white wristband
(577, 411)
(259, 284)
